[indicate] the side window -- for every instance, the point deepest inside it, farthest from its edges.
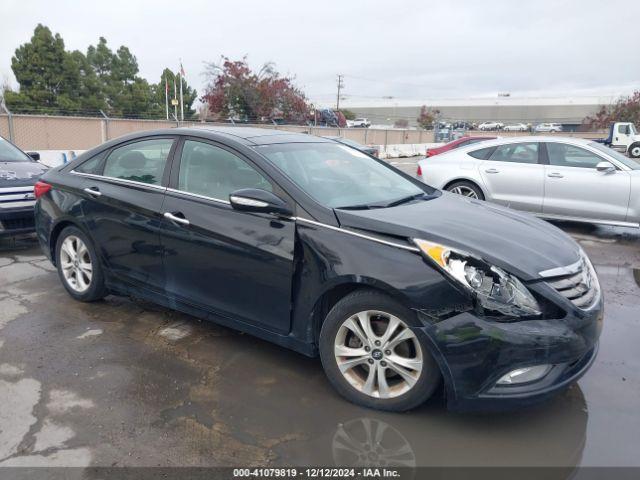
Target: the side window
(623, 129)
(92, 165)
(564, 155)
(214, 172)
(516, 153)
(482, 154)
(142, 161)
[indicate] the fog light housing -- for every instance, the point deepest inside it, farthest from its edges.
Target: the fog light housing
(524, 375)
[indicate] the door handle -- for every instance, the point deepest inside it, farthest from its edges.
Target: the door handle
(173, 218)
(555, 175)
(93, 191)
(492, 170)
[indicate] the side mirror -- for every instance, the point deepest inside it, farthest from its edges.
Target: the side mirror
(34, 155)
(605, 167)
(259, 201)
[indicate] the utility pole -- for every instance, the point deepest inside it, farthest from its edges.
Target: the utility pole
(340, 85)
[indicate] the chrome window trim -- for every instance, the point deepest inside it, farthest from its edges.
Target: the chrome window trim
(561, 271)
(196, 195)
(226, 202)
(356, 234)
(119, 180)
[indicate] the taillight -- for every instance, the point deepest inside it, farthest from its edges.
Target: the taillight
(40, 188)
(419, 172)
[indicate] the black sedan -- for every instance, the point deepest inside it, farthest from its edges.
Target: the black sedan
(320, 248)
(373, 151)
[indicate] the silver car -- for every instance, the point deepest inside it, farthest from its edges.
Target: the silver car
(552, 177)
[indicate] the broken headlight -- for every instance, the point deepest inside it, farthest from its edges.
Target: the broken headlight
(494, 289)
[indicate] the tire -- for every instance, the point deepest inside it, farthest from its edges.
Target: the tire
(466, 189)
(82, 275)
(396, 392)
(634, 150)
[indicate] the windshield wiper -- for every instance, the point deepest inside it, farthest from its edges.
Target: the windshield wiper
(405, 200)
(363, 206)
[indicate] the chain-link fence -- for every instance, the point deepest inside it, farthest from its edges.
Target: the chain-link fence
(49, 132)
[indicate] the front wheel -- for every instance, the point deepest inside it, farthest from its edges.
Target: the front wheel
(373, 356)
(78, 266)
(634, 150)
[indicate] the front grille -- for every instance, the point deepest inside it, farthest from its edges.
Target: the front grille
(580, 288)
(18, 223)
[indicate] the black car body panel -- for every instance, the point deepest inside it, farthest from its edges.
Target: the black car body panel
(274, 276)
(477, 227)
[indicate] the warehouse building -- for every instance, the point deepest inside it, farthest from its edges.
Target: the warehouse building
(569, 111)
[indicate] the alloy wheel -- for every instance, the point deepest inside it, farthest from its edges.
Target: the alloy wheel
(75, 262)
(378, 354)
(464, 191)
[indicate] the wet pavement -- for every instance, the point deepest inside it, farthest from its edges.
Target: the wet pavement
(122, 382)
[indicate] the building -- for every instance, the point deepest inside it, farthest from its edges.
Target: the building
(569, 111)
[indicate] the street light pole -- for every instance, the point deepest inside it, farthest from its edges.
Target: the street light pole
(340, 85)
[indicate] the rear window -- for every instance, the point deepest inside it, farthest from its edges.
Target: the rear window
(483, 153)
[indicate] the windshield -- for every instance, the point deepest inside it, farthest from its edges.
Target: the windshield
(10, 153)
(337, 176)
(632, 163)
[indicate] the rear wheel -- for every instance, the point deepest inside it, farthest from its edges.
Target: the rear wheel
(466, 189)
(634, 150)
(78, 266)
(373, 357)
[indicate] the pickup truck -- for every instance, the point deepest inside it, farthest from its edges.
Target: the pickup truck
(623, 137)
(18, 174)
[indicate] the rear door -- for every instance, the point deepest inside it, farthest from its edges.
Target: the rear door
(122, 192)
(235, 264)
(514, 177)
(574, 188)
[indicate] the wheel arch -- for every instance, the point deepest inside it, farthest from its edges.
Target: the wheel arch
(57, 230)
(337, 290)
(465, 179)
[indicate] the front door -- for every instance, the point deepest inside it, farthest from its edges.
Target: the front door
(232, 263)
(122, 201)
(513, 176)
(574, 188)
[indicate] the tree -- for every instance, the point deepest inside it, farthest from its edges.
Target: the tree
(46, 73)
(348, 114)
(427, 117)
(625, 109)
(235, 91)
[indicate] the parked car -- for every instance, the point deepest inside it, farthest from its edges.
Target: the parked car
(516, 127)
(19, 172)
(360, 122)
(328, 251)
(548, 128)
(552, 177)
(369, 150)
(457, 143)
(490, 126)
(623, 137)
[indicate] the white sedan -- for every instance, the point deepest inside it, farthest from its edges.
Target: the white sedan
(553, 177)
(516, 127)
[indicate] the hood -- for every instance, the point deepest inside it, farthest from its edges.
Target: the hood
(517, 242)
(20, 174)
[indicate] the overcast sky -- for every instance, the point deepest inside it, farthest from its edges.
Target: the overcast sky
(405, 49)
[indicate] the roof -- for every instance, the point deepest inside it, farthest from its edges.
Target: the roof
(259, 136)
(528, 139)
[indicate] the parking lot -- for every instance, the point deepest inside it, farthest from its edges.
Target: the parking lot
(123, 382)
